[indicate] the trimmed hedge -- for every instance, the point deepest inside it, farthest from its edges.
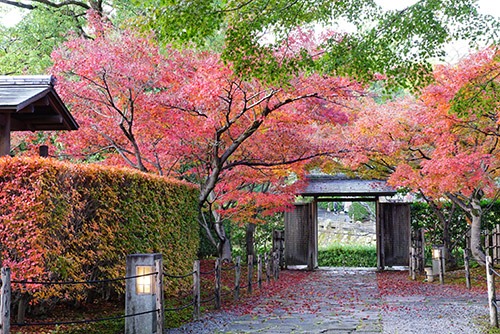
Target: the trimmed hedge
(339, 255)
(64, 221)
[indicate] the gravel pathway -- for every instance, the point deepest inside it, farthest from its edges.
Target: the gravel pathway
(350, 300)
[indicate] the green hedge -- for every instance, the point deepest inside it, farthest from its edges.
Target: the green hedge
(348, 255)
(64, 221)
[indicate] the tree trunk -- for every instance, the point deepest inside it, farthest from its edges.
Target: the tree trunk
(475, 232)
(249, 238)
(472, 206)
(450, 261)
(223, 246)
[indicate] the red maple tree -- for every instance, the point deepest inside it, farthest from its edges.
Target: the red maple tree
(187, 114)
(442, 144)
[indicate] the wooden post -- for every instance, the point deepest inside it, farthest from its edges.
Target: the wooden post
(441, 266)
(467, 269)
(43, 151)
(414, 263)
(268, 267)
(160, 313)
(4, 134)
(410, 263)
(276, 266)
(237, 275)
(5, 302)
(218, 283)
(492, 299)
(250, 273)
(422, 252)
(259, 270)
(196, 290)
(496, 245)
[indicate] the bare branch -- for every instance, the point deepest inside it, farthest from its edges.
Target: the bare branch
(274, 164)
(18, 4)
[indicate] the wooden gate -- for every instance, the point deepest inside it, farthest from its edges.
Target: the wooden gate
(301, 236)
(393, 234)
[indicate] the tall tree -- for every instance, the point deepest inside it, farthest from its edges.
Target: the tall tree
(187, 114)
(427, 147)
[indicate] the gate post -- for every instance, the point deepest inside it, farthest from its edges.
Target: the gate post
(218, 283)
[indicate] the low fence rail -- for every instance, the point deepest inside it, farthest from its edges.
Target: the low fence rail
(271, 263)
(441, 272)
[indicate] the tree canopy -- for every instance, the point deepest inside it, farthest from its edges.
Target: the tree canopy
(187, 114)
(397, 44)
(426, 147)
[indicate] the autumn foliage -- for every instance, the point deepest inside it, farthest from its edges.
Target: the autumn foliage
(442, 142)
(189, 115)
(63, 221)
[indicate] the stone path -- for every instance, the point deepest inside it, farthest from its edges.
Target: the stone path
(329, 303)
(352, 301)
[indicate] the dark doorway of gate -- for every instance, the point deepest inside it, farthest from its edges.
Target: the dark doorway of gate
(392, 219)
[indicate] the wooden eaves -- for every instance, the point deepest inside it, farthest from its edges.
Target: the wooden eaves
(30, 103)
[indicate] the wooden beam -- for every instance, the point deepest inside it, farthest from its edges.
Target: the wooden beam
(44, 101)
(4, 134)
(347, 199)
(39, 119)
(29, 109)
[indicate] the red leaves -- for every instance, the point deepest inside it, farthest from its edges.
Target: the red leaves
(186, 114)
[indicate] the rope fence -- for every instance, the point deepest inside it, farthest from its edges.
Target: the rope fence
(438, 268)
(270, 264)
(75, 322)
(82, 282)
(6, 301)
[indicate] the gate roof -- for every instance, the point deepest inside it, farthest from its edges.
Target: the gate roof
(341, 185)
(33, 104)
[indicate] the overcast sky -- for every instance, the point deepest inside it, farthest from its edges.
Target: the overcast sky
(486, 6)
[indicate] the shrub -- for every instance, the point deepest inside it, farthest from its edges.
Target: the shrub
(348, 255)
(63, 221)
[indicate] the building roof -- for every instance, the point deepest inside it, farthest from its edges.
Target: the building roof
(34, 104)
(341, 185)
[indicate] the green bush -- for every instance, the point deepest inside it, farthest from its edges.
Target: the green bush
(348, 255)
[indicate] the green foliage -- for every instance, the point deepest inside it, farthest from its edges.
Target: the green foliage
(27, 46)
(102, 327)
(423, 216)
(362, 211)
(348, 255)
(396, 43)
(77, 222)
(207, 248)
(263, 235)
